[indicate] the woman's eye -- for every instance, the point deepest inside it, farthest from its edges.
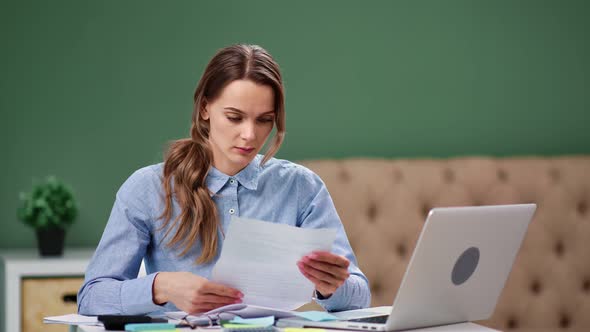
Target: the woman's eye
(265, 120)
(234, 119)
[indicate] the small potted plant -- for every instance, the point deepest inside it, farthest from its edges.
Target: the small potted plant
(49, 208)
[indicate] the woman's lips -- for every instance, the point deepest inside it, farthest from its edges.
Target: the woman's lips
(244, 150)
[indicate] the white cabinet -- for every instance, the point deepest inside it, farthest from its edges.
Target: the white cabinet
(33, 287)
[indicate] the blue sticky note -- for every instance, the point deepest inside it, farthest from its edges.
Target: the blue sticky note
(150, 327)
(316, 316)
(261, 321)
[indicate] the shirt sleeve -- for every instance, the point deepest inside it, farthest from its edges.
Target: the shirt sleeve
(320, 212)
(111, 285)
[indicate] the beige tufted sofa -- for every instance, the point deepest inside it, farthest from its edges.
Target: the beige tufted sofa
(383, 204)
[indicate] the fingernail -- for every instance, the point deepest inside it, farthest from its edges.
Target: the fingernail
(313, 256)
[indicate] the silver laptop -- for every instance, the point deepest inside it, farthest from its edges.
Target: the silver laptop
(456, 274)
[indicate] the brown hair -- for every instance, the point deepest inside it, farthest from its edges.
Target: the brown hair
(188, 160)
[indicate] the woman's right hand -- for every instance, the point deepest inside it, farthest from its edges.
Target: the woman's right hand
(192, 293)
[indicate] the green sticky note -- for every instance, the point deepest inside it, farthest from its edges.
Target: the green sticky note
(241, 326)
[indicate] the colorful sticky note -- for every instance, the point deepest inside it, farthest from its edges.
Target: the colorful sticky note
(145, 327)
(299, 329)
(262, 321)
(316, 316)
(241, 326)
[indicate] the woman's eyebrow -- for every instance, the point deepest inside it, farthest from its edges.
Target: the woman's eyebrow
(233, 109)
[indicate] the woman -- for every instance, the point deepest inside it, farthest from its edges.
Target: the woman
(172, 215)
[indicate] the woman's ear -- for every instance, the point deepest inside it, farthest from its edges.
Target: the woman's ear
(204, 111)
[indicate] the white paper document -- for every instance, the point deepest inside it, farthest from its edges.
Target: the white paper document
(260, 259)
(72, 319)
(232, 311)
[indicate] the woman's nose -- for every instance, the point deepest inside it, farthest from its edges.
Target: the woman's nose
(248, 131)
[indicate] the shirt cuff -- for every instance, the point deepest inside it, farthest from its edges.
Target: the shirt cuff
(354, 294)
(136, 296)
(332, 303)
(318, 296)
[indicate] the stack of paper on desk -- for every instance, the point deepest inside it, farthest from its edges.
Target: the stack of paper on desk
(260, 259)
(230, 311)
(72, 319)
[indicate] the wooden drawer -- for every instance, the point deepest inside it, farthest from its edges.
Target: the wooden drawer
(43, 297)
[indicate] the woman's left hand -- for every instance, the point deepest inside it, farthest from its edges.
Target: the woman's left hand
(326, 270)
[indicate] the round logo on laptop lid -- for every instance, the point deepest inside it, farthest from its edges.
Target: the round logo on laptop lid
(465, 266)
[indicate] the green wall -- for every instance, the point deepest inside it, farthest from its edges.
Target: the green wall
(92, 90)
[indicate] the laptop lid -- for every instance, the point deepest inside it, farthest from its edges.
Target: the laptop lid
(460, 265)
(457, 271)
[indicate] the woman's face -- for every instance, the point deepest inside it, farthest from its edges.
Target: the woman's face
(240, 121)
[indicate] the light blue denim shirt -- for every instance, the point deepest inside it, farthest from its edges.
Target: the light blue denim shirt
(279, 192)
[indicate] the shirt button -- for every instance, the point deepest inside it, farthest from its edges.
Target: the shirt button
(232, 211)
(232, 181)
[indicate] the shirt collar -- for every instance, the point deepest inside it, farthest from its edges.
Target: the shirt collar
(247, 177)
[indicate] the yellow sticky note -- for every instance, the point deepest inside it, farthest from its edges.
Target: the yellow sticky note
(241, 326)
(297, 329)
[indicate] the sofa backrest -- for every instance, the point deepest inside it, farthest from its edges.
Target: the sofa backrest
(383, 205)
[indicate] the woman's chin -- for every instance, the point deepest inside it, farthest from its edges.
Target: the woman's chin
(243, 161)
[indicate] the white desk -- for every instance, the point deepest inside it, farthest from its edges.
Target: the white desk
(463, 327)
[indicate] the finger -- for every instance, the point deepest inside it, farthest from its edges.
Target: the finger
(221, 290)
(328, 257)
(336, 271)
(210, 298)
(205, 307)
(321, 275)
(322, 286)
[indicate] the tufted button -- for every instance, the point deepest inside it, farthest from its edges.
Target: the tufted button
(372, 212)
(554, 174)
(375, 287)
(448, 175)
(582, 208)
(401, 250)
(502, 175)
(512, 323)
(536, 287)
(586, 285)
(564, 321)
(344, 175)
(397, 176)
(559, 248)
